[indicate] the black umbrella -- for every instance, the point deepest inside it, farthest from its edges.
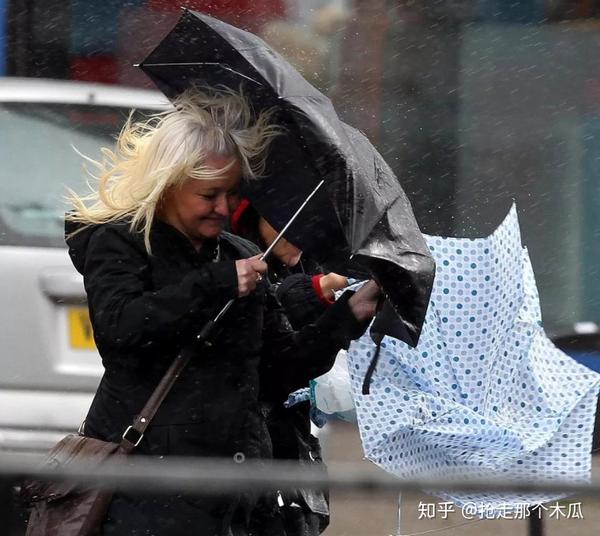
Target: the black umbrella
(361, 219)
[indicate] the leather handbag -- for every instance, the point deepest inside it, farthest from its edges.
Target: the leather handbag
(62, 508)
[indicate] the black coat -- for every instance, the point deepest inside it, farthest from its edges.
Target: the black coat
(145, 308)
(289, 428)
(305, 512)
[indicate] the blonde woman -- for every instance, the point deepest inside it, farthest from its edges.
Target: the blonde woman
(157, 266)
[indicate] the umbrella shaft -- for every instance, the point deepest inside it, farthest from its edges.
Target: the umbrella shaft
(287, 225)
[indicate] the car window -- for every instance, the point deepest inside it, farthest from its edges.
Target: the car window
(40, 160)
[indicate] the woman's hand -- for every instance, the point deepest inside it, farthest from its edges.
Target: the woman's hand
(249, 273)
(331, 282)
(364, 302)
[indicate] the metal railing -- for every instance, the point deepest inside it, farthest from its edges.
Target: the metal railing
(210, 475)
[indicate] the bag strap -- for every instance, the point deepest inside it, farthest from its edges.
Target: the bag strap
(135, 432)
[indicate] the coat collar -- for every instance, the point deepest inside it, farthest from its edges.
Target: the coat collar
(166, 233)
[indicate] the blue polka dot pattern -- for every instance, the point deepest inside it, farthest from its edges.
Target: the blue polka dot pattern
(485, 393)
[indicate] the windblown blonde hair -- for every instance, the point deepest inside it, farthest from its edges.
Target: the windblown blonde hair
(153, 155)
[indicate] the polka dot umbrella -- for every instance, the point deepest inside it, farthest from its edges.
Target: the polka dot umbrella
(485, 393)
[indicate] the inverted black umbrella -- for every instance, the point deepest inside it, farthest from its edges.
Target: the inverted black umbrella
(361, 219)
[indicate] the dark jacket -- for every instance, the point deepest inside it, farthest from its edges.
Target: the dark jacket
(145, 308)
(289, 428)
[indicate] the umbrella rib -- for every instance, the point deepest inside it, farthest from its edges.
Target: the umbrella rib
(187, 64)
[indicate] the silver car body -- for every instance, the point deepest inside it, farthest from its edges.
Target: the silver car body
(49, 368)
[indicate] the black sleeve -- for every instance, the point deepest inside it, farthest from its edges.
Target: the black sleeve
(298, 298)
(125, 314)
(292, 358)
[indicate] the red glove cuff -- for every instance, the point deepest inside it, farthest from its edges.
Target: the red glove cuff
(316, 283)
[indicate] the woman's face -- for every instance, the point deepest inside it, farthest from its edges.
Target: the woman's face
(200, 208)
(286, 252)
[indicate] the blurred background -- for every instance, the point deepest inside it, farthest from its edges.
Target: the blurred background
(475, 104)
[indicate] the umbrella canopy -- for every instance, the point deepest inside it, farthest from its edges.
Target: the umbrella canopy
(485, 393)
(361, 219)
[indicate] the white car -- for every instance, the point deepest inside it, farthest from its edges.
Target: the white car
(49, 367)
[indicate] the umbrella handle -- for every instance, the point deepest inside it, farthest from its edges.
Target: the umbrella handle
(366, 386)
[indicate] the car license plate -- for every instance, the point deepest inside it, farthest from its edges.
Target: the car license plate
(81, 335)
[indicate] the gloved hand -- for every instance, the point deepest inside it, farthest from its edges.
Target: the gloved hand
(363, 303)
